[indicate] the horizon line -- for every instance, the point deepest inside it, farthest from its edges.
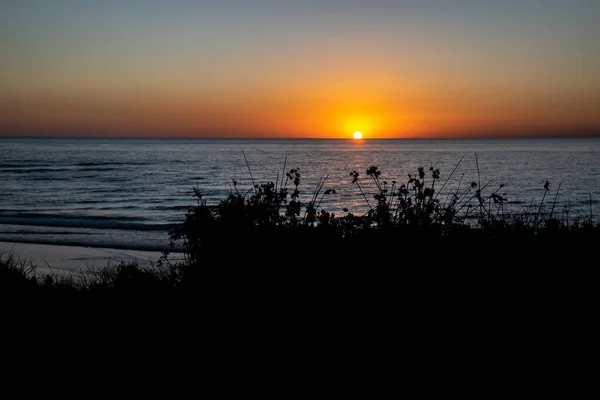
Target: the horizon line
(592, 136)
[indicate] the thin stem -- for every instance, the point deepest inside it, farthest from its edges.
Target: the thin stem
(363, 193)
(554, 202)
(283, 172)
(541, 204)
(320, 188)
(449, 176)
(455, 193)
(391, 200)
(248, 165)
(479, 186)
(316, 194)
(471, 198)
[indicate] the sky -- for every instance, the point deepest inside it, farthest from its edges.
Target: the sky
(306, 69)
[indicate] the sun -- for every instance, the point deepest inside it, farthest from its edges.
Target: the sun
(357, 135)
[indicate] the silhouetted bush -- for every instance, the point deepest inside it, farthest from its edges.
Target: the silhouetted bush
(269, 227)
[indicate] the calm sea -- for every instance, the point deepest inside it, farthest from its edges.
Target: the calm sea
(128, 193)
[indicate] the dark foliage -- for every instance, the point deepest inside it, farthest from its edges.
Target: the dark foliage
(281, 249)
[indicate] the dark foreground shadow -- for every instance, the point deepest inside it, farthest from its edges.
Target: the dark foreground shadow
(427, 287)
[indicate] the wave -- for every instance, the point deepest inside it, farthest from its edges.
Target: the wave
(28, 165)
(98, 164)
(28, 170)
(31, 170)
(111, 179)
(41, 167)
(83, 166)
(99, 245)
(48, 178)
(31, 232)
(175, 208)
(83, 221)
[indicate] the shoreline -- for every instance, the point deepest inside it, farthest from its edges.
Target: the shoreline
(67, 258)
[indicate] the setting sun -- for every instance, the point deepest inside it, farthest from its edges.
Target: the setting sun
(357, 135)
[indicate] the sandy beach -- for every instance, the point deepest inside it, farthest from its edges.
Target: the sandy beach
(74, 258)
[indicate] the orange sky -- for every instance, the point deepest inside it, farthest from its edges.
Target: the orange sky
(407, 70)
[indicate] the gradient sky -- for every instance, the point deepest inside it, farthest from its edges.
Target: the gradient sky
(326, 68)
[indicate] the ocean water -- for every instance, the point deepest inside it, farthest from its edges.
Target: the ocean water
(128, 193)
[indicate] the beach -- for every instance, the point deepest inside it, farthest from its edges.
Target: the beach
(77, 259)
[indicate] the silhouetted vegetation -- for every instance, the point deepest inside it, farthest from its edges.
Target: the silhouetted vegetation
(269, 231)
(405, 222)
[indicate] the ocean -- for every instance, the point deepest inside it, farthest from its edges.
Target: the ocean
(129, 193)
